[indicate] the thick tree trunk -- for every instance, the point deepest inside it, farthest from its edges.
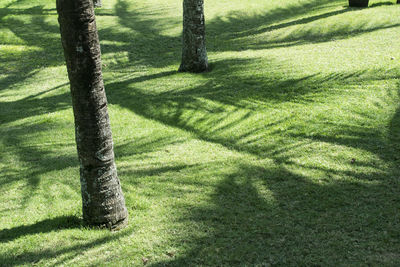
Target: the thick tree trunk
(102, 199)
(194, 53)
(97, 3)
(358, 3)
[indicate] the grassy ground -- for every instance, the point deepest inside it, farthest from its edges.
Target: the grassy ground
(286, 153)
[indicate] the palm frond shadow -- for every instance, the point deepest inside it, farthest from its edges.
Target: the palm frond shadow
(40, 36)
(242, 221)
(34, 162)
(232, 34)
(382, 4)
(45, 226)
(215, 108)
(63, 253)
(266, 226)
(147, 39)
(259, 228)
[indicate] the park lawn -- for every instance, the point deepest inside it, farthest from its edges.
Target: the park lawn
(286, 153)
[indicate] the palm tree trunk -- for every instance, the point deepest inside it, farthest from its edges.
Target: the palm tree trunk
(97, 3)
(358, 3)
(194, 53)
(102, 199)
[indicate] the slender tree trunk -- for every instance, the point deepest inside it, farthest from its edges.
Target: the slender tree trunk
(97, 3)
(102, 199)
(194, 53)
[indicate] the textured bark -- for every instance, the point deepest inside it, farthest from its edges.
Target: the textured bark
(194, 53)
(97, 3)
(102, 199)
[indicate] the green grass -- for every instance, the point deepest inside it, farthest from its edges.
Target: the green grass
(286, 153)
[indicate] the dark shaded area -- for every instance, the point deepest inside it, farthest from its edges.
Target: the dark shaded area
(35, 161)
(245, 228)
(33, 106)
(382, 4)
(286, 24)
(45, 226)
(35, 10)
(38, 33)
(145, 145)
(338, 222)
(68, 253)
(225, 86)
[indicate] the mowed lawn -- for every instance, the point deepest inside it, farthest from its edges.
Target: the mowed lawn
(286, 153)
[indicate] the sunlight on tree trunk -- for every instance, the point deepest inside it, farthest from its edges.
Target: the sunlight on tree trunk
(194, 53)
(102, 199)
(97, 3)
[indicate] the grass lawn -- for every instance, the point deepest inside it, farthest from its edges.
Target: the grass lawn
(286, 153)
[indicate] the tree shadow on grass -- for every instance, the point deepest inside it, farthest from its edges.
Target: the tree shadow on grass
(34, 105)
(63, 253)
(33, 160)
(228, 100)
(301, 219)
(264, 215)
(45, 226)
(32, 163)
(292, 212)
(37, 162)
(147, 40)
(35, 10)
(382, 4)
(359, 134)
(239, 24)
(394, 136)
(147, 45)
(42, 45)
(284, 211)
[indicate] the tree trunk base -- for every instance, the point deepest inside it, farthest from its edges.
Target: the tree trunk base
(119, 225)
(111, 226)
(194, 68)
(358, 3)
